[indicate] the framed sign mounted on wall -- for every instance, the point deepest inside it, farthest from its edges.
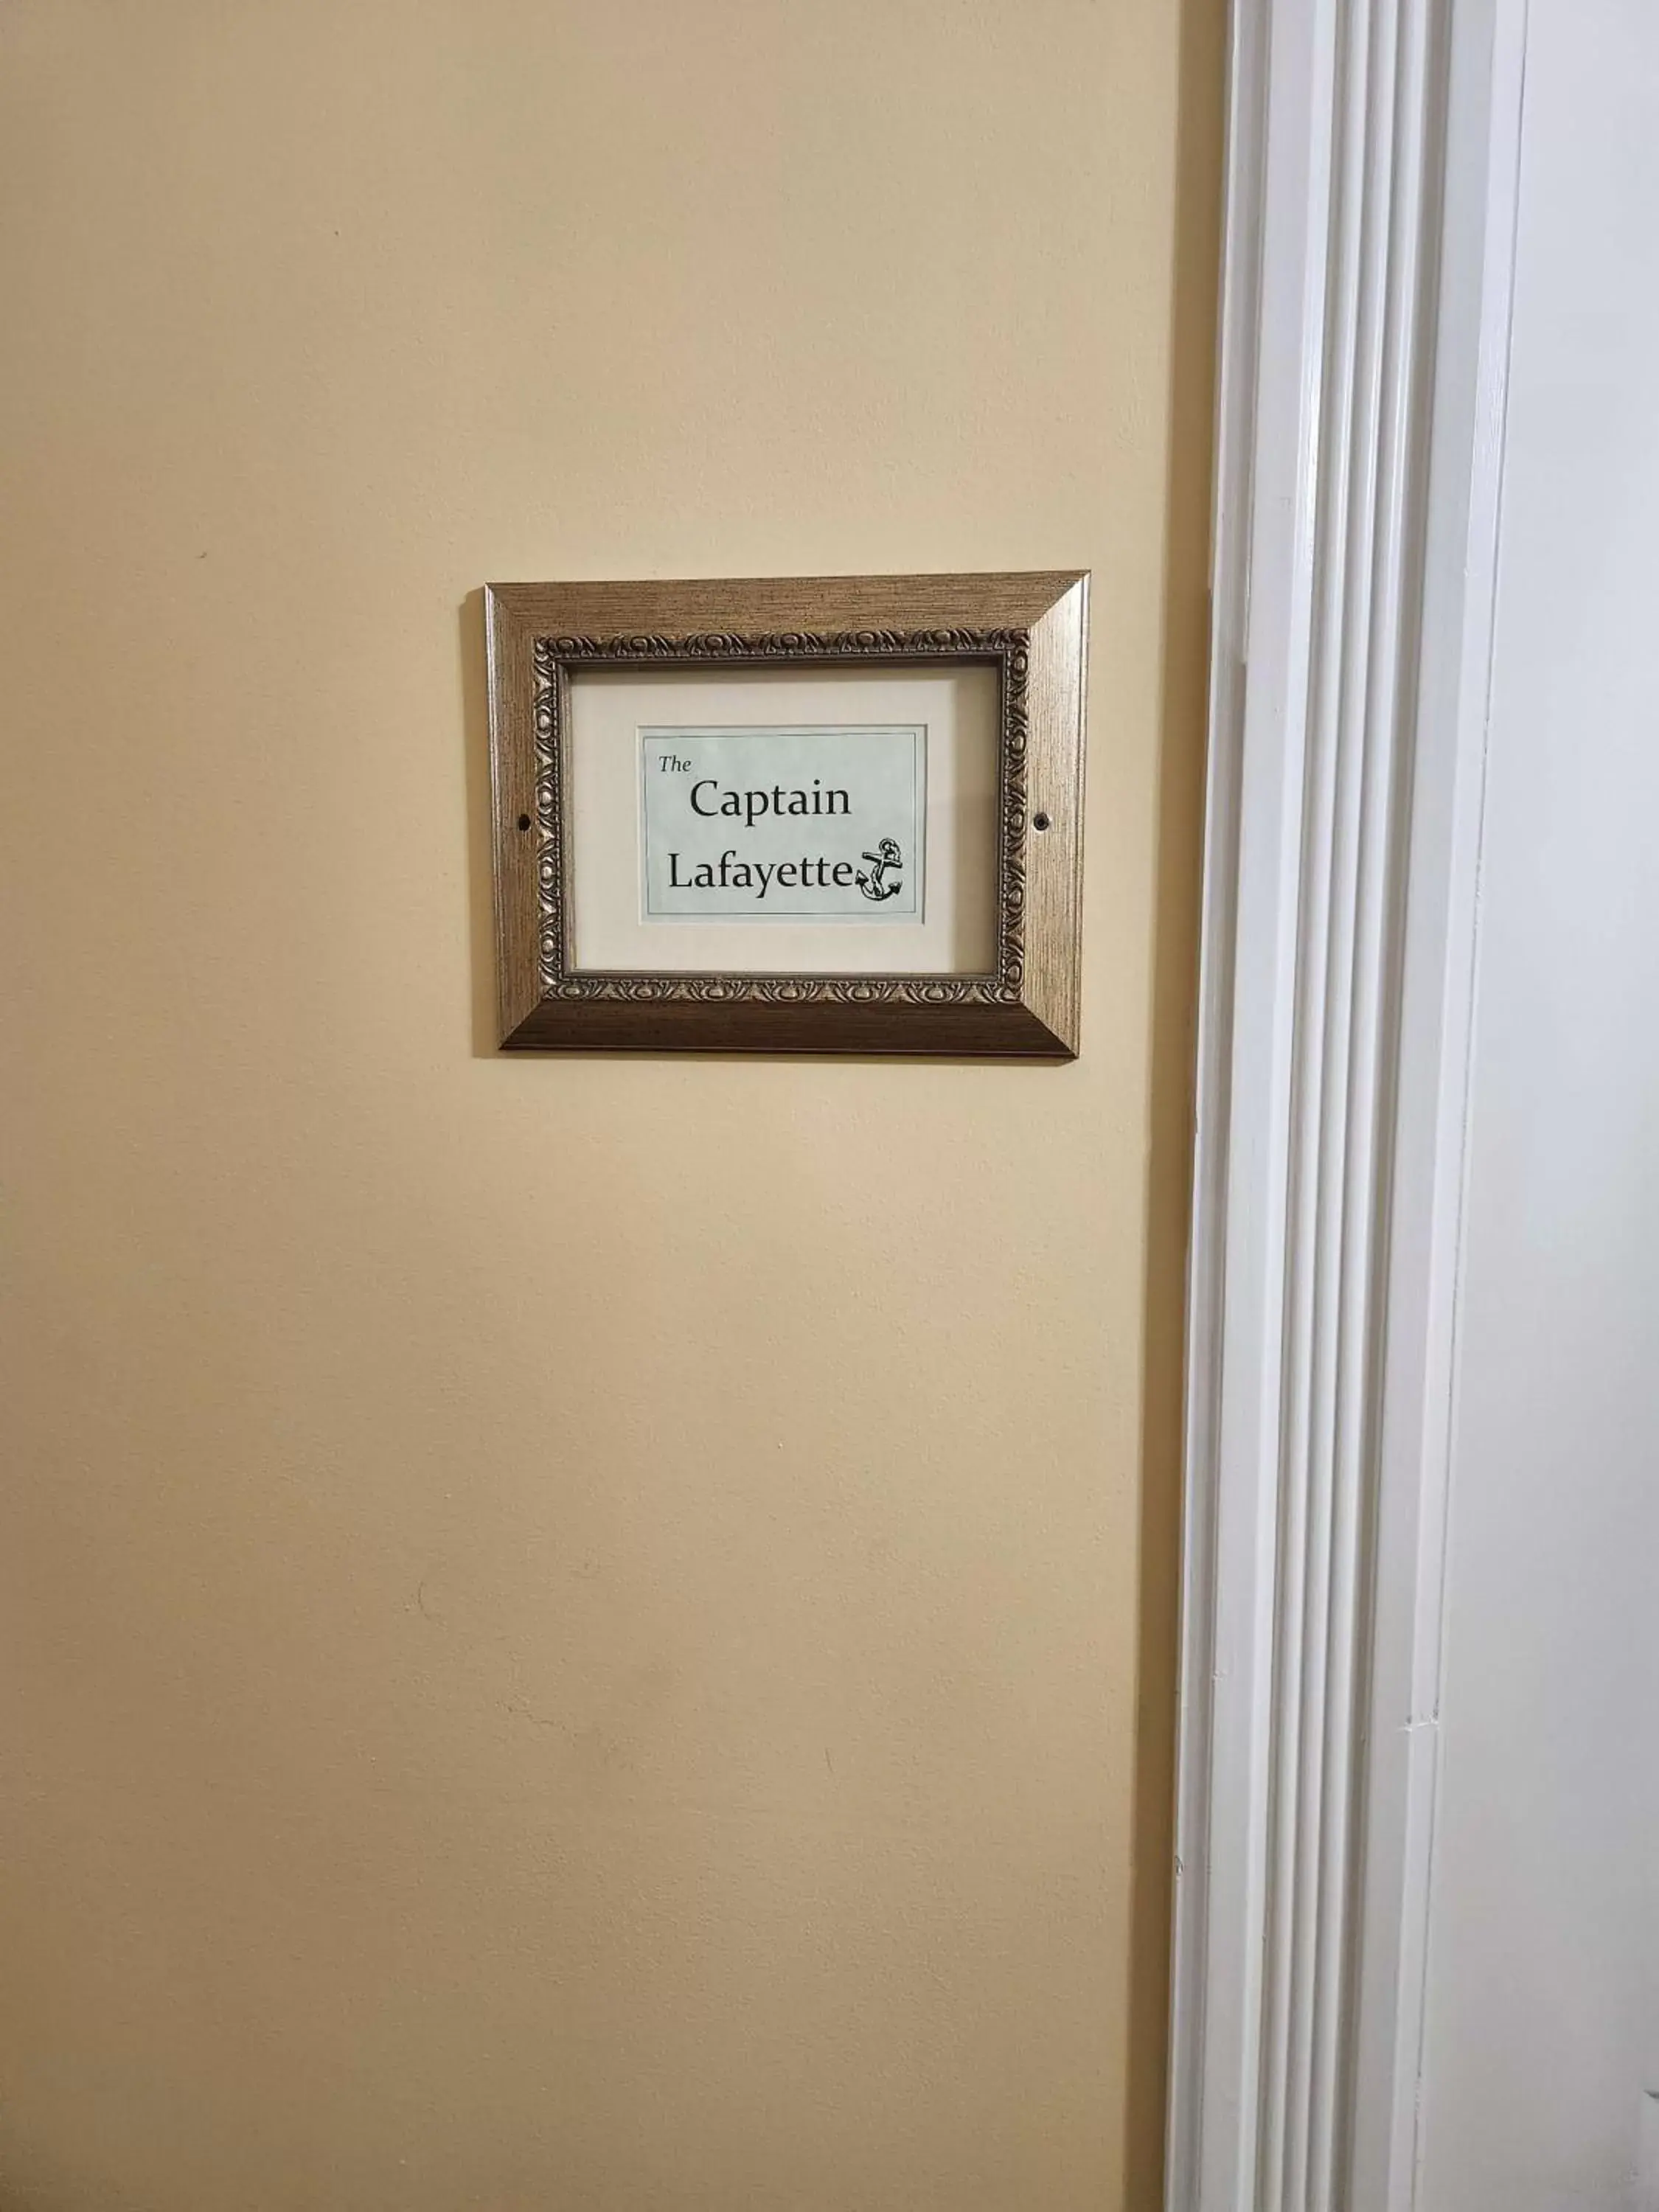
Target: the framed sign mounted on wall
(838, 815)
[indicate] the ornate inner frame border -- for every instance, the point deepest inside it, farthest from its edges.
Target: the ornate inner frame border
(1032, 627)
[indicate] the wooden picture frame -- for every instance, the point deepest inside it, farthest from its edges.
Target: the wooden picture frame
(1031, 630)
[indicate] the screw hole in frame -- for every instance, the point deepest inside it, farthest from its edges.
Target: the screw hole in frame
(524, 822)
(1040, 822)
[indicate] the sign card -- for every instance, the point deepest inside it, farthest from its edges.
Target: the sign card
(770, 824)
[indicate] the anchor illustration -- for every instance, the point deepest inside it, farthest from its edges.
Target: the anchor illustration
(886, 855)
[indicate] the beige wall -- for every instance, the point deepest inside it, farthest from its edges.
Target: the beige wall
(575, 1634)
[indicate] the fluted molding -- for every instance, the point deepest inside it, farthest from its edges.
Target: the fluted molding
(1370, 194)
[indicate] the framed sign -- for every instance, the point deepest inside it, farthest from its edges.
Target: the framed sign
(828, 815)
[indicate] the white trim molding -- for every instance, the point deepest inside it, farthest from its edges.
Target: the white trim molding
(1365, 307)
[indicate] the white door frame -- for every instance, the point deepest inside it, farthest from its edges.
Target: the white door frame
(1371, 197)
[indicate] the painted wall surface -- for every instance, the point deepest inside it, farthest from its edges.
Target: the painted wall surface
(584, 1633)
(1542, 2079)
